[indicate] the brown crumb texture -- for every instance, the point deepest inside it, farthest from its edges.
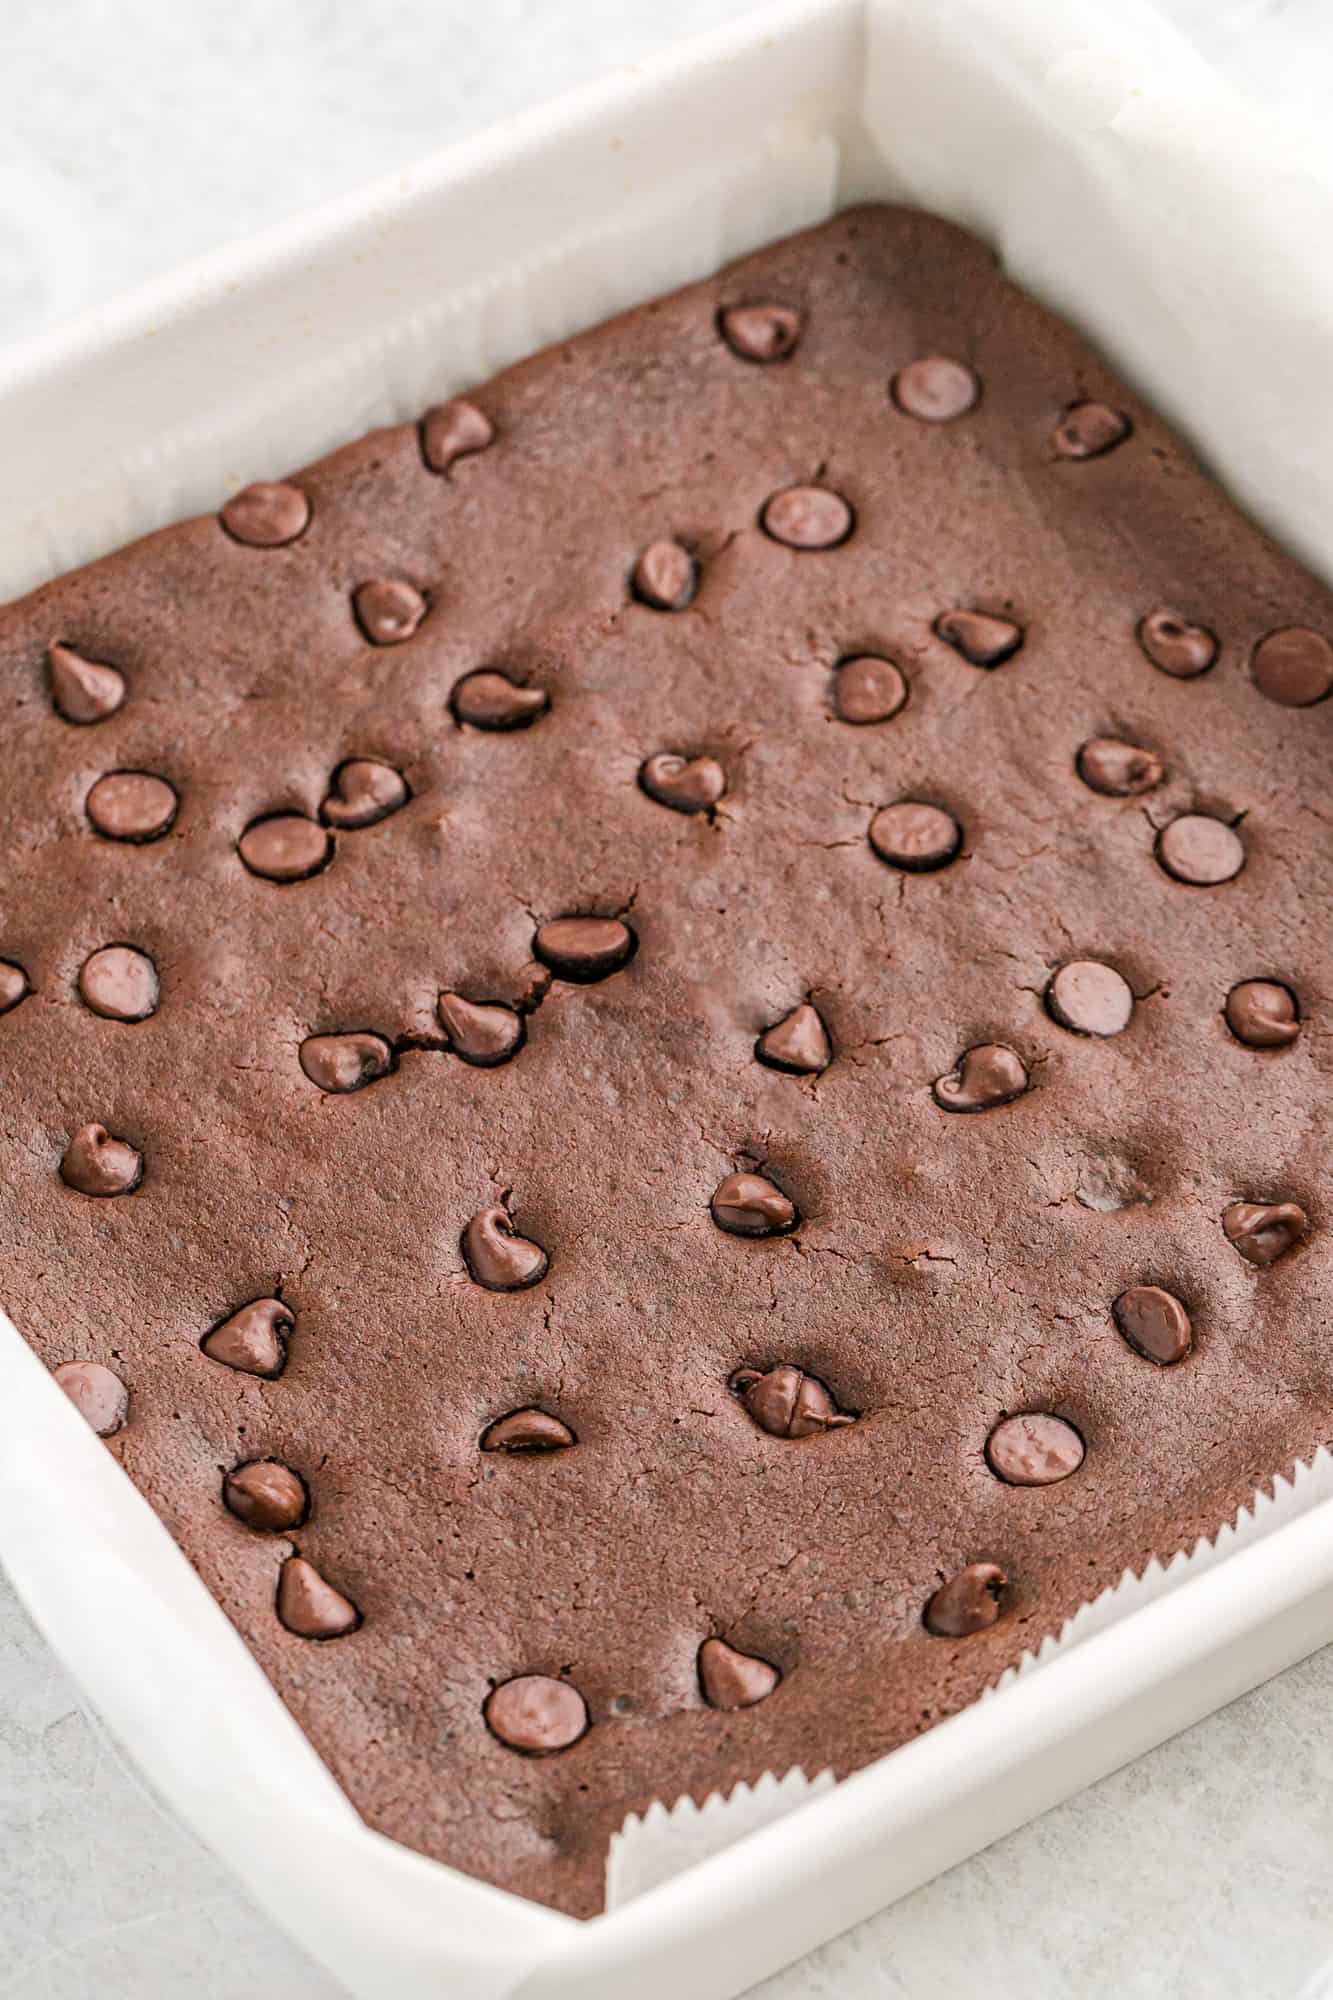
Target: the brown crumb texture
(943, 1272)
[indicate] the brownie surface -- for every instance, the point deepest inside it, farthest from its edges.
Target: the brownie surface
(938, 1273)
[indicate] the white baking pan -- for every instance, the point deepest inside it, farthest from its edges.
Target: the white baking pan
(1125, 185)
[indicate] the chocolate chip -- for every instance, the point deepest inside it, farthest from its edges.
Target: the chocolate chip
(1034, 1450)
(13, 984)
(454, 430)
(1120, 770)
(343, 1063)
(1086, 430)
(531, 986)
(388, 610)
(253, 1339)
(119, 983)
(1154, 1323)
(731, 1679)
(981, 639)
(867, 688)
(1177, 647)
(361, 792)
(497, 1258)
(807, 517)
(1200, 850)
(935, 389)
(536, 1714)
(309, 1606)
(1263, 1231)
(285, 847)
(914, 836)
(788, 1403)
(490, 700)
(987, 1075)
(527, 1430)
(481, 1032)
(584, 949)
(83, 690)
(969, 1602)
(97, 1393)
(132, 805)
(266, 515)
(266, 1495)
(97, 1164)
(1090, 998)
(798, 1043)
(1293, 667)
(686, 784)
(760, 333)
(746, 1204)
(665, 576)
(1263, 1013)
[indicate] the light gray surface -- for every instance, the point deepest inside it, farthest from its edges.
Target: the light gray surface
(132, 136)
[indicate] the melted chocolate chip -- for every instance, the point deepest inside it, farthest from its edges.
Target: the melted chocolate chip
(867, 688)
(1263, 1013)
(83, 690)
(13, 985)
(988, 1075)
(253, 1339)
(584, 949)
(132, 805)
(935, 389)
(760, 333)
(1293, 667)
(266, 515)
(97, 1393)
(730, 1679)
(488, 699)
(1090, 998)
(1120, 770)
(1155, 1324)
(1263, 1231)
(343, 1063)
(119, 983)
(807, 517)
(915, 837)
(982, 640)
(665, 576)
(536, 1714)
(480, 1032)
(686, 784)
(1200, 850)
(1034, 1450)
(788, 1403)
(497, 1258)
(361, 792)
(1086, 430)
(969, 1602)
(1177, 647)
(388, 610)
(527, 1430)
(97, 1164)
(746, 1204)
(454, 430)
(531, 986)
(798, 1043)
(309, 1606)
(285, 847)
(267, 1495)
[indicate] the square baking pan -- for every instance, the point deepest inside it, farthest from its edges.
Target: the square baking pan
(1123, 185)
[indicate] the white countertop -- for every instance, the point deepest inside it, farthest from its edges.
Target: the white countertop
(131, 137)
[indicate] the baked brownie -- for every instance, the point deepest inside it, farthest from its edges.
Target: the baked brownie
(664, 1068)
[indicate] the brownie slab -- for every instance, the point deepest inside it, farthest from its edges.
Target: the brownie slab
(663, 1068)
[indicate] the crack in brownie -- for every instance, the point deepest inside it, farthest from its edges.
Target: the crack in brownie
(664, 1046)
